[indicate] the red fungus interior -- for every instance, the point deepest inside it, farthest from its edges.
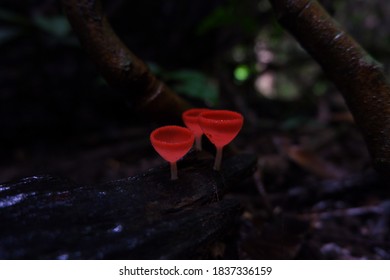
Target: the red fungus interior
(172, 142)
(221, 126)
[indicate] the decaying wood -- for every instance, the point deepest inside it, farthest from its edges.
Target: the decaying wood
(122, 69)
(143, 217)
(357, 75)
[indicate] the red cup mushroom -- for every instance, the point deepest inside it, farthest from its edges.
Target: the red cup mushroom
(220, 127)
(172, 143)
(191, 120)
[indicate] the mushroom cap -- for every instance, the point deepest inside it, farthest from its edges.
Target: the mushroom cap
(191, 120)
(172, 142)
(221, 126)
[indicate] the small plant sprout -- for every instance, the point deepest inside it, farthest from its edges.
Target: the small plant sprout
(172, 143)
(220, 127)
(191, 120)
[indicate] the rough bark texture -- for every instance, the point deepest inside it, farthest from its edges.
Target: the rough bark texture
(357, 75)
(122, 69)
(143, 217)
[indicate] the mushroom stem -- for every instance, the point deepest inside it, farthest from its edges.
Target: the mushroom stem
(218, 159)
(198, 142)
(173, 171)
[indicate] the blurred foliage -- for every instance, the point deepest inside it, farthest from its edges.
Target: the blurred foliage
(190, 83)
(199, 48)
(242, 72)
(11, 27)
(57, 25)
(16, 25)
(194, 84)
(233, 14)
(11, 17)
(8, 33)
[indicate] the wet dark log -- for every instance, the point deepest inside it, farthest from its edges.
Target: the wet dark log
(358, 76)
(142, 217)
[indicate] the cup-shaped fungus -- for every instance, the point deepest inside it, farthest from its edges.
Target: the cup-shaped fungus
(191, 120)
(172, 143)
(220, 127)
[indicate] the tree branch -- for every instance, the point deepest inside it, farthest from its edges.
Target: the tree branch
(356, 74)
(122, 69)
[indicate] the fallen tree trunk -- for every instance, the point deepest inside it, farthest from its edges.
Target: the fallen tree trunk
(143, 217)
(357, 75)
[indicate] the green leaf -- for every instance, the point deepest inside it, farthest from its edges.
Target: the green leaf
(194, 84)
(155, 68)
(221, 16)
(56, 25)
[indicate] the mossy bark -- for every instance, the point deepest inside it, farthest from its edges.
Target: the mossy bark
(357, 75)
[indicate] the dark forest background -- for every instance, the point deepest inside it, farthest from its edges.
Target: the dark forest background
(57, 113)
(58, 116)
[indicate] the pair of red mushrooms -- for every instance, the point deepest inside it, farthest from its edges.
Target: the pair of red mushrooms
(173, 142)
